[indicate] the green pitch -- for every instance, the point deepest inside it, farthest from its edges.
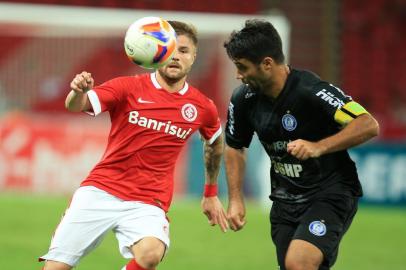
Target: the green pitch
(375, 241)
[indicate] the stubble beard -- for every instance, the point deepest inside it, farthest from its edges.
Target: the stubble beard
(172, 78)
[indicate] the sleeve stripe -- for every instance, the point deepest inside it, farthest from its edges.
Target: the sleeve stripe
(95, 102)
(215, 136)
(348, 112)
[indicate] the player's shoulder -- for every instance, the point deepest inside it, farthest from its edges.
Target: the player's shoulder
(309, 82)
(198, 95)
(243, 94)
(306, 79)
(143, 77)
(314, 89)
(129, 79)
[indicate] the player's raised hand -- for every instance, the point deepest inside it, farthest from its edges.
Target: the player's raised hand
(236, 214)
(213, 209)
(82, 82)
(302, 149)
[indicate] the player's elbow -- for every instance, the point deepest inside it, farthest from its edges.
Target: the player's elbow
(69, 107)
(373, 127)
(217, 146)
(73, 103)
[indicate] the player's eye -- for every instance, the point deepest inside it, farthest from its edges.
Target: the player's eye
(241, 68)
(183, 50)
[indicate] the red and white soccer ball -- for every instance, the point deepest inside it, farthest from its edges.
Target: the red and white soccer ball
(150, 42)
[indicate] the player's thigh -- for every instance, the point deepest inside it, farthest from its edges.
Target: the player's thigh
(303, 255)
(83, 226)
(86, 220)
(282, 232)
(324, 224)
(143, 222)
(53, 265)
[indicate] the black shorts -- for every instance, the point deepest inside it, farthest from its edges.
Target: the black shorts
(322, 222)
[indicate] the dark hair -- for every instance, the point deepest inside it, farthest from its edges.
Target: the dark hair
(257, 40)
(182, 28)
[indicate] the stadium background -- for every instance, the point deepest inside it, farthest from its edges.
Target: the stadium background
(45, 152)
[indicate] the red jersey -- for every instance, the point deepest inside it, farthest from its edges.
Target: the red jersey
(149, 126)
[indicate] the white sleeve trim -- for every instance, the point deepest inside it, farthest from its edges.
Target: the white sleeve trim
(215, 136)
(95, 102)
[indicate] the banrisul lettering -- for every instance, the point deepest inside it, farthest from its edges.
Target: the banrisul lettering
(166, 127)
(330, 98)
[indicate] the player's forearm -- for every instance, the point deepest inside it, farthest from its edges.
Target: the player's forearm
(212, 159)
(235, 169)
(76, 102)
(358, 131)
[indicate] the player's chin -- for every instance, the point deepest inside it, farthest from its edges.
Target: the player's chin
(174, 74)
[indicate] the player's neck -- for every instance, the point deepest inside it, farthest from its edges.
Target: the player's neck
(277, 81)
(170, 85)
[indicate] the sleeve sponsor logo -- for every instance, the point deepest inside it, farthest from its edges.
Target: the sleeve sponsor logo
(330, 98)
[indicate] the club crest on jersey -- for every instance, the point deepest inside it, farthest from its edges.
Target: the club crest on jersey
(317, 228)
(189, 112)
(289, 122)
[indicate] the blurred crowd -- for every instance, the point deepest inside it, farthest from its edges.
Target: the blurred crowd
(370, 46)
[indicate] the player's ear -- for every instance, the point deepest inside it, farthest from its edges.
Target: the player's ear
(194, 57)
(267, 62)
(194, 54)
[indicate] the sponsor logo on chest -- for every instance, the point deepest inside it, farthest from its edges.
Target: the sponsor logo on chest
(166, 127)
(287, 169)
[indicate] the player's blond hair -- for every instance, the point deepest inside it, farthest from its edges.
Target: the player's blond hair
(182, 28)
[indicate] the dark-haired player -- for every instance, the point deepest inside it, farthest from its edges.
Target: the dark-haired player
(306, 126)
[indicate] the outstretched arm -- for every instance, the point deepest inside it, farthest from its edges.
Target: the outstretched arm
(358, 131)
(235, 169)
(211, 205)
(77, 100)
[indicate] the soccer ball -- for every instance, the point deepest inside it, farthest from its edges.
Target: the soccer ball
(150, 42)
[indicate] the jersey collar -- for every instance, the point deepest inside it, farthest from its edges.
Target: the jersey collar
(158, 86)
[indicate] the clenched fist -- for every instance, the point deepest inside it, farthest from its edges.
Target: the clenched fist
(82, 82)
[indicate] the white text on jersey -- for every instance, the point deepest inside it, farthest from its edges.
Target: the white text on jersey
(330, 98)
(165, 127)
(231, 118)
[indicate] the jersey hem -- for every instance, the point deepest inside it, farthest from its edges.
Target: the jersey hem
(124, 198)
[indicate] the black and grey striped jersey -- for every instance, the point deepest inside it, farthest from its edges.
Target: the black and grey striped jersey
(307, 108)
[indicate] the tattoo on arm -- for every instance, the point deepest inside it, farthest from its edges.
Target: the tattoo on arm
(212, 159)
